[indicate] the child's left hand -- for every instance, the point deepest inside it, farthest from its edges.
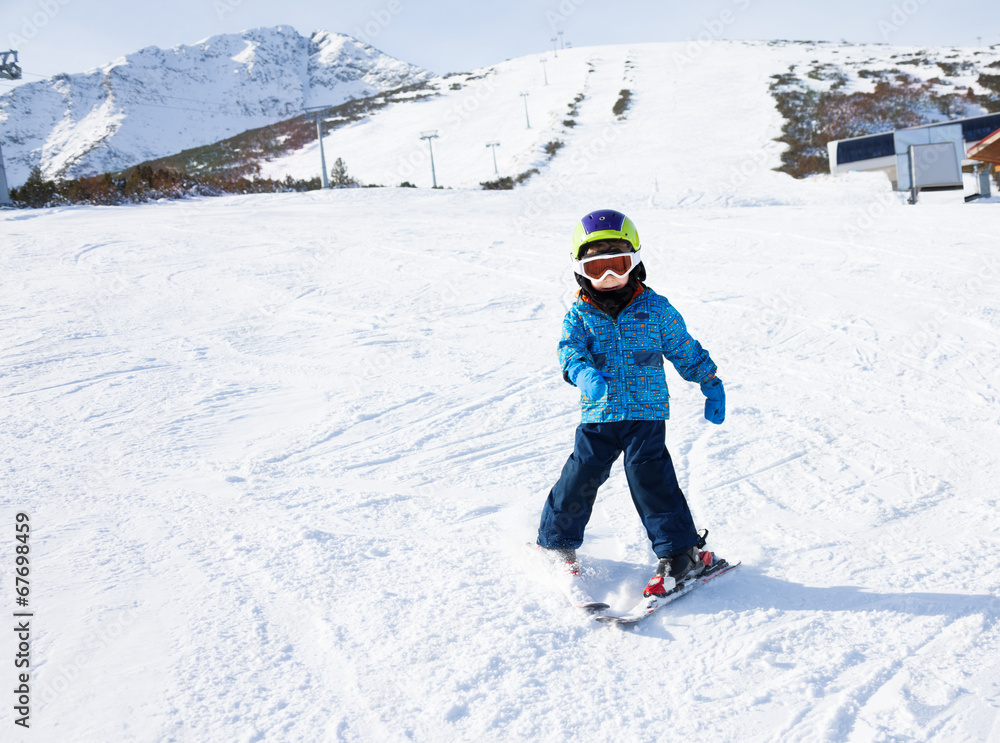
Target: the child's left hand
(715, 400)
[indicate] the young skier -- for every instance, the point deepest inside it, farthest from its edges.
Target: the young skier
(615, 337)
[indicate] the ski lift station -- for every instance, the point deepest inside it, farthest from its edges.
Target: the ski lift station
(926, 158)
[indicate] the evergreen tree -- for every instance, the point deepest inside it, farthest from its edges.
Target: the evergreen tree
(339, 177)
(36, 191)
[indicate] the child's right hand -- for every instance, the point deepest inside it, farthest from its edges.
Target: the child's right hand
(715, 400)
(591, 383)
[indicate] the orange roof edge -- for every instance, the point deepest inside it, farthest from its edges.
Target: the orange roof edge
(985, 142)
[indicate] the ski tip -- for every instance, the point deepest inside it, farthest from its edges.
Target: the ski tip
(617, 621)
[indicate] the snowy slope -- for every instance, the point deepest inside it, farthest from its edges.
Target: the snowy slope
(156, 102)
(279, 453)
(277, 474)
(700, 129)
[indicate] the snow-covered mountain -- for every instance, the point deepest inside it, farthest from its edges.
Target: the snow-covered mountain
(156, 102)
(231, 102)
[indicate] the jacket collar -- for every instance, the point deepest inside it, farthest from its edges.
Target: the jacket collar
(638, 290)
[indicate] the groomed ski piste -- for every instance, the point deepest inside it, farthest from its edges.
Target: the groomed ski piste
(280, 452)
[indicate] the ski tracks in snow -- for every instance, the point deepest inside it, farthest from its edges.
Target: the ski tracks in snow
(291, 468)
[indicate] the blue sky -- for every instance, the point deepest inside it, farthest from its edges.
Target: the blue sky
(55, 36)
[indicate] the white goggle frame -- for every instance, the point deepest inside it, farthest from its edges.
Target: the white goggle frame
(634, 255)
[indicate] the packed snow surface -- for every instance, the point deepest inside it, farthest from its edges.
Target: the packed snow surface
(281, 453)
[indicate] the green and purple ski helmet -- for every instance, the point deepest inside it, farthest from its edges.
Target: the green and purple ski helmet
(604, 224)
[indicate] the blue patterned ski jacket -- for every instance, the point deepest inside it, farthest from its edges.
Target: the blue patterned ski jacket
(630, 351)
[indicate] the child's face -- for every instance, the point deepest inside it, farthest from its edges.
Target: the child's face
(608, 247)
(609, 283)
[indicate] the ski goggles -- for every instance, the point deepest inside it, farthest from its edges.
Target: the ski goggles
(597, 267)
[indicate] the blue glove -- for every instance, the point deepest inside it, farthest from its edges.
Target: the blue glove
(591, 383)
(715, 400)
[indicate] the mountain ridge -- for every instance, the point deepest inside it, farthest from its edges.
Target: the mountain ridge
(155, 102)
(800, 94)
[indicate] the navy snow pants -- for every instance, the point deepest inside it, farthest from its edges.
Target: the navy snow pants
(651, 480)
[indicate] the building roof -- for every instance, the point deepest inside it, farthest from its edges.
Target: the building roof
(987, 150)
(869, 146)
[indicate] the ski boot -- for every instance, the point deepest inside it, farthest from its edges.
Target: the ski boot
(565, 559)
(671, 572)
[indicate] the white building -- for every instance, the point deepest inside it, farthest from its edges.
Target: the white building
(887, 151)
